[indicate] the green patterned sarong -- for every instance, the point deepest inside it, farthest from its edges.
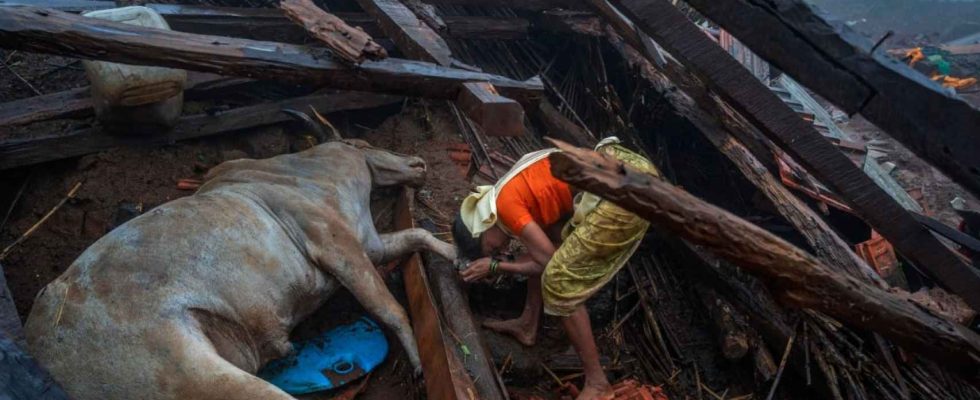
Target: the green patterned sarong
(596, 245)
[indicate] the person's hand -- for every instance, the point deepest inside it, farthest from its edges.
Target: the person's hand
(476, 270)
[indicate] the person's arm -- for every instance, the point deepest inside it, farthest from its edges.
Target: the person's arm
(540, 250)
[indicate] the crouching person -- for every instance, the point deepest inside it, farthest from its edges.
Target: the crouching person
(573, 247)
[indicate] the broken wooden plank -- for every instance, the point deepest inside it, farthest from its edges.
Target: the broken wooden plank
(72, 6)
(54, 32)
(556, 125)
(497, 115)
(716, 125)
(15, 153)
(836, 62)
(795, 277)
(72, 103)
(464, 330)
(686, 42)
(347, 43)
(445, 377)
(77, 103)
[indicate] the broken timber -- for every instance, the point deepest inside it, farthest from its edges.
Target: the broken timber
(77, 103)
(794, 276)
(685, 41)
(258, 23)
(348, 43)
(15, 153)
(716, 126)
(444, 375)
(54, 32)
(453, 298)
(497, 115)
(839, 64)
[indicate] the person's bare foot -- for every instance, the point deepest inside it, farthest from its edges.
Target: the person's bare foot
(601, 391)
(525, 332)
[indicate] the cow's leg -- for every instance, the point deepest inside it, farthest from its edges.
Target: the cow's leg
(354, 270)
(401, 243)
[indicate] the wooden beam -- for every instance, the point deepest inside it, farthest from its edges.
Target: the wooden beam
(795, 277)
(54, 32)
(445, 377)
(716, 125)
(836, 62)
(455, 303)
(16, 153)
(497, 115)
(77, 103)
(347, 43)
(72, 103)
(534, 5)
(686, 42)
(269, 23)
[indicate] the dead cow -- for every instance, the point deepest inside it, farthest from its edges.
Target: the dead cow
(188, 300)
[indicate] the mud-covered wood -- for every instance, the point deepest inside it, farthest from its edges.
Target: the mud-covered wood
(720, 126)
(16, 153)
(348, 43)
(445, 377)
(53, 32)
(795, 277)
(497, 115)
(686, 42)
(455, 303)
(836, 62)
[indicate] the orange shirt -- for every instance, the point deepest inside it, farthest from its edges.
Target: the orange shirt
(533, 195)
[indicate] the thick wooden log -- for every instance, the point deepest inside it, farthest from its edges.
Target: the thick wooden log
(54, 32)
(445, 377)
(685, 41)
(838, 63)
(717, 125)
(16, 153)
(455, 303)
(348, 43)
(795, 277)
(497, 115)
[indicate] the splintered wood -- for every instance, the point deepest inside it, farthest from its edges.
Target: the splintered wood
(794, 276)
(348, 43)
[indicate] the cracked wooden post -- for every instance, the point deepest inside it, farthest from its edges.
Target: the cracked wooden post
(480, 101)
(795, 277)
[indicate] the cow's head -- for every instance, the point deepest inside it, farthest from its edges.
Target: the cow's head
(389, 168)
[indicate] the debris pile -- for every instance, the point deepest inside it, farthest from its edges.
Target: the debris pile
(787, 259)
